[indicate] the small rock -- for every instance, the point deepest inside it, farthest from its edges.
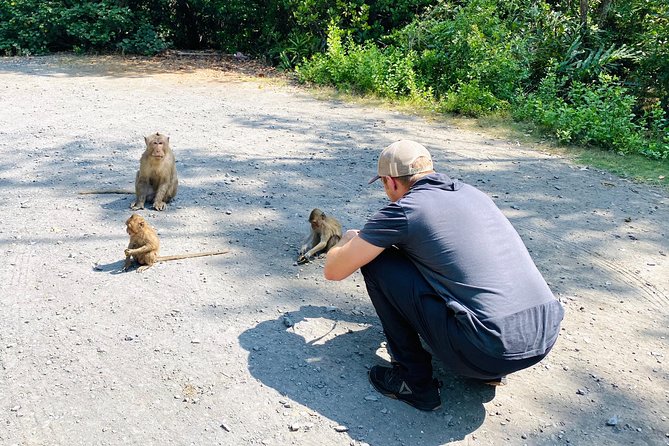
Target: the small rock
(341, 428)
(613, 421)
(225, 427)
(371, 398)
(287, 322)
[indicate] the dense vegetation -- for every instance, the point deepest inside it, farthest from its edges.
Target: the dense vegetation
(592, 72)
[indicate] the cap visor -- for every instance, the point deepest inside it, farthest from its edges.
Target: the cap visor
(373, 179)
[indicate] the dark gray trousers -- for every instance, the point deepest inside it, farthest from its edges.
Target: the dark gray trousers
(408, 307)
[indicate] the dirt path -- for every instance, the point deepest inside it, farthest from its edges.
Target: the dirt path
(249, 348)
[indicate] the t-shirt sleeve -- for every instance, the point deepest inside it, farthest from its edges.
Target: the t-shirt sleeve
(386, 228)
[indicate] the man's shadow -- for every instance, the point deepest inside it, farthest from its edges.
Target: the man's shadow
(319, 358)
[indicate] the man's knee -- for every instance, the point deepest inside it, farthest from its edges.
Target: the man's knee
(384, 264)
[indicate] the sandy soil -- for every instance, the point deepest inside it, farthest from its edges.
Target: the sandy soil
(250, 348)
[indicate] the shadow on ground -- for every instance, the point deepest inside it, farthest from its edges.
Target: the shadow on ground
(335, 349)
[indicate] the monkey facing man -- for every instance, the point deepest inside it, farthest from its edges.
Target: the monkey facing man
(156, 179)
(144, 246)
(325, 233)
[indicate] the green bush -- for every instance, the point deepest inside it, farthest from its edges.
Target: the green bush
(27, 27)
(145, 41)
(599, 114)
(94, 25)
(471, 99)
(298, 47)
(363, 68)
(38, 27)
(460, 44)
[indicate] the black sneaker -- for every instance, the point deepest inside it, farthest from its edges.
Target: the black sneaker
(388, 382)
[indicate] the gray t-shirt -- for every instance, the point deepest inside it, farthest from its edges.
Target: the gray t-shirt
(475, 260)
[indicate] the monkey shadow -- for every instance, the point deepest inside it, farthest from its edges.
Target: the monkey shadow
(122, 203)
(114, 267)
(319, 358)
(119, 203)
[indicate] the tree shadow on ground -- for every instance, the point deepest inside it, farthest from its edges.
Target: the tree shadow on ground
(132, 66)
(319, 356)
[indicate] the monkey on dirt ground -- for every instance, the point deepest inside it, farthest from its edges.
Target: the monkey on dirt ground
(325, 233)
(156, 178)
(144, 246)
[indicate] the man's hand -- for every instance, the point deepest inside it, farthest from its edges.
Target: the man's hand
(348, 235)
(348, 255)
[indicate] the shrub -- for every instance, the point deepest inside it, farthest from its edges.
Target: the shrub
(38, 27)
(98, 25)
(363, 68)
(600, 113)
(27, 27)
(471, 99)
(145, 41)
(456, 45)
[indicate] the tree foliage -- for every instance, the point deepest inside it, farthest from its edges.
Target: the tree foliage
(590, 72)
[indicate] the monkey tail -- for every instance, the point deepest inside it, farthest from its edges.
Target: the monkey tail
(189, 256)
(112, 191)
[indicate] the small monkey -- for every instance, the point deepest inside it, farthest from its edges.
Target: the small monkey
(325, 233)
(144, 246)
(156, 178)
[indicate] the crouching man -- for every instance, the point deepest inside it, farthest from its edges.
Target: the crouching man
(442, 263)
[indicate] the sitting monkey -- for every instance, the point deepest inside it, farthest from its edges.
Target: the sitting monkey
(325, 233)
(144, 245)
(156, 179)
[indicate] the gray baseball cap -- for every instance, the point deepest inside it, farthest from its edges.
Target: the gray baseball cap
(396, 160)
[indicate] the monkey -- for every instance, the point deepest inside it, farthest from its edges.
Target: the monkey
(144, 243)
(325, 233)
(144, 246)
(156, 179)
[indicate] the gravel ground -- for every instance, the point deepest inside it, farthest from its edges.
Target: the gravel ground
(250, 348)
